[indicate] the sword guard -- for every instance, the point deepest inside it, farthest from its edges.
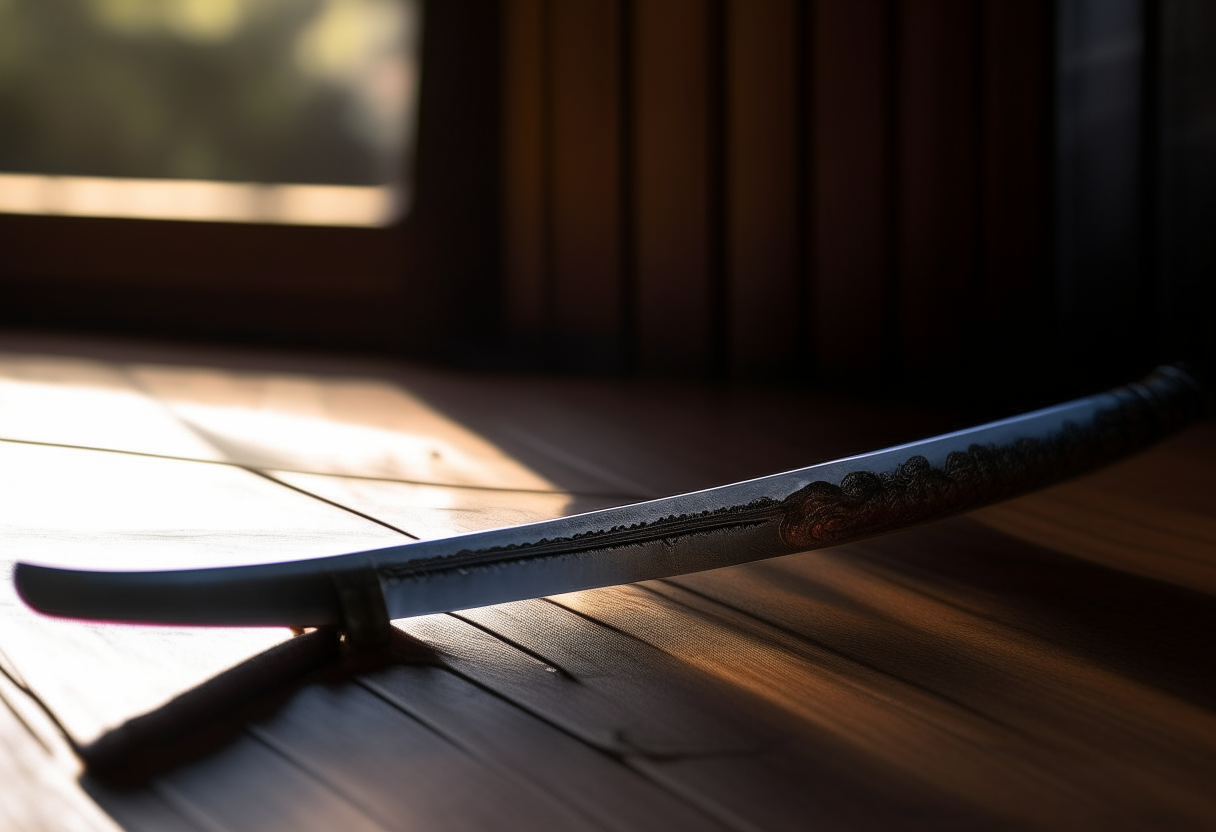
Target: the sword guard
(364, 618)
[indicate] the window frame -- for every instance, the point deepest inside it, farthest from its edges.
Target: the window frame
(424, 285)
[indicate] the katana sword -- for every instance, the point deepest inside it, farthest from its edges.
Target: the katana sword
(808, 508)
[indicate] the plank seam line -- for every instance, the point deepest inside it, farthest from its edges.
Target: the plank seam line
(263, 737)
(701, 802)
(377, 690)
(625, 760)
(205, 435)
(470, 679)
(12, 709)
(186, 808)
(7, 663)
(327, 501)
(42, 706)
(599, 623)
(527, 651)
(369, 478)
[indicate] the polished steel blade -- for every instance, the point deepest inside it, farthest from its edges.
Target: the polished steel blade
(808, 508)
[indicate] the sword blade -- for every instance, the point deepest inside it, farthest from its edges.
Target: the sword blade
(808, 508)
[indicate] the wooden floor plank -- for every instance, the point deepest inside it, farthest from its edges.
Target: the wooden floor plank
(584, 685)
(1080, 734)
(650, 439)
(433, 511)
(38, 792)
(340, 425)
(809, 784)
(1046, 667)
(1152, 515)
(533, 752)
(42, 786)
(875, 729)
(104, 510)
(701, 734)
(42, 399)
(401, 772)
(139, 810)
(248, 787)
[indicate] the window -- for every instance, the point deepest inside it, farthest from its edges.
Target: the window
(412, 284)
(278, 111)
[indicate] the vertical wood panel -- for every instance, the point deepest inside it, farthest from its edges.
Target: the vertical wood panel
(762, 184)
(671, 154)
(654, 153)
(850, 179)
(1016, 188)
(525, 198)
(937, 183)
(586, 221)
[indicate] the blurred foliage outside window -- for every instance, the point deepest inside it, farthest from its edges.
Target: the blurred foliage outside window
(312, 92)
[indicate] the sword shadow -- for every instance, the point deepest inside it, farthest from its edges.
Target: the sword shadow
(205, 718)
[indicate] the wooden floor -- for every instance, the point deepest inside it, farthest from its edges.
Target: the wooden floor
(1042, 664)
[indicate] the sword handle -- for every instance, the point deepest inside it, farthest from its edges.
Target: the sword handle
(1042, 452)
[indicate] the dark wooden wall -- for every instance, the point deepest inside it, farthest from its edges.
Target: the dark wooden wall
(773, 188)
(1135, 183)
(1183, 269)
(881, 194)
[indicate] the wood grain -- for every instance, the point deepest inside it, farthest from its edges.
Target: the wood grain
(1091, 679)
(1162, 502)
(1080, 739)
